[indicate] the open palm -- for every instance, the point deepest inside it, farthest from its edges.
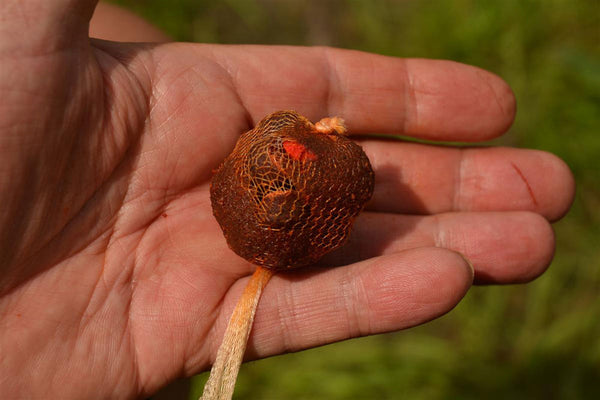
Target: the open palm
(115, 277)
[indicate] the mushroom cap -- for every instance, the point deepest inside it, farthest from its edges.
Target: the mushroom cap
(290, 191)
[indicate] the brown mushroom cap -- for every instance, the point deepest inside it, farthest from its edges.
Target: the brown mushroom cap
(290, 190)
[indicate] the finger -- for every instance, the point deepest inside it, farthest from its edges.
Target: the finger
(504, 247)
(439, 100)
(111, 22)
(384, 294)
(421, 179)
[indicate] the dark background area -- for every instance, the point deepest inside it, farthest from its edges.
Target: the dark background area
(535, 341)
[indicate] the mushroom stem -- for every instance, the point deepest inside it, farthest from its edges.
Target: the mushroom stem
(223, 374)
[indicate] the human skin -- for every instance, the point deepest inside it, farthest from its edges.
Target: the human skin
(111, 22)
(115, 278)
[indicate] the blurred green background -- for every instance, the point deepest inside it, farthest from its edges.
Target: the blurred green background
(535, 341)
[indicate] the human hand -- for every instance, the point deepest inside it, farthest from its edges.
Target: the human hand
(115, 278)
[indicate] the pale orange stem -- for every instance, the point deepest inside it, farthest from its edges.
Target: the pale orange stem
(223, 374)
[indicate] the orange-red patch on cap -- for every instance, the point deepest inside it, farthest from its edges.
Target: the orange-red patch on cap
(298, 151)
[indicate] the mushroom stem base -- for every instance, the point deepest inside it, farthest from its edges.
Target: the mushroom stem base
(223, 374)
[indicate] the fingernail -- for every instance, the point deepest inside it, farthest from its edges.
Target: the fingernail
(468, 263)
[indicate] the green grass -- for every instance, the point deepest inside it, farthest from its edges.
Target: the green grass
(540, 340)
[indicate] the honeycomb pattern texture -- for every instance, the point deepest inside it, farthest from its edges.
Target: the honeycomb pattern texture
(290, 191)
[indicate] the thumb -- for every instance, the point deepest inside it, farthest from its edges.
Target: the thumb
(40, 26)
